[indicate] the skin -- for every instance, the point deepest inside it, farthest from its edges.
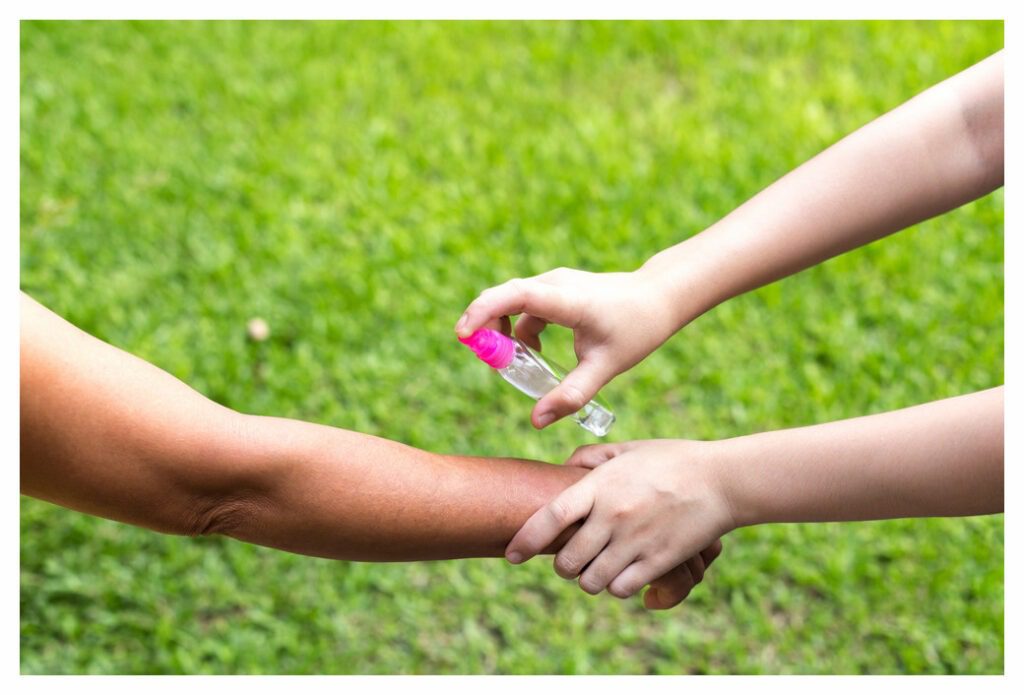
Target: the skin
(939, 150)
(106, 433)
(648, 502)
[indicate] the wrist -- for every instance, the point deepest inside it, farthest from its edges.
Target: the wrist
(729, 476)
(703, 477)
(680, 283)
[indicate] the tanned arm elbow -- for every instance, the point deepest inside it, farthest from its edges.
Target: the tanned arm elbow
(224, 515)
(227, 485)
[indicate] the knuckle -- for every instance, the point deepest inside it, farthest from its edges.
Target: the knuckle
(622, 589)
(524, 291)
(584, 449)
(552, 276)
(483, 301)
(566, 566)
(577, 306)
(573, 397)
(590, 584)
(560, 511)
(688, 577)
(624, 511)
(518, 285)
(673, 596)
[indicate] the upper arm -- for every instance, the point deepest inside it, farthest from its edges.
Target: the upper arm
(109, 434)
(106, 433)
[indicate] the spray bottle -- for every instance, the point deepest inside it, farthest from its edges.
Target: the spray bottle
(532, 374)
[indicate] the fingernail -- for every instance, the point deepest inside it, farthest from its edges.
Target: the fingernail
(545, 419)
(514, 558)
(461, 323)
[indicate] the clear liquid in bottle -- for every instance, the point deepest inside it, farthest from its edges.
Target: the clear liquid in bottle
(533, 375)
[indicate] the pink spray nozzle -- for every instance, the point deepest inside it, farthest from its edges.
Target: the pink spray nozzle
(494, 348)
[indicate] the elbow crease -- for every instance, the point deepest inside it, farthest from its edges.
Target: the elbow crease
(223, 515)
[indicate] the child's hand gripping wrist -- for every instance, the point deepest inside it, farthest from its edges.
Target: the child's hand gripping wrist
(649, 506)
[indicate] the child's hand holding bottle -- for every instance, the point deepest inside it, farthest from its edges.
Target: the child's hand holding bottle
(617, 319)
(868, 185)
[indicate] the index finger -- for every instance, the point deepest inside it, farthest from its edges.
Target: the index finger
(540, 299)
(548, 522)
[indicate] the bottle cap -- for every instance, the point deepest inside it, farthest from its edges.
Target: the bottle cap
(494, 348)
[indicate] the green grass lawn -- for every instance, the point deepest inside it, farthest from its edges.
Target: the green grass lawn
(356, 184)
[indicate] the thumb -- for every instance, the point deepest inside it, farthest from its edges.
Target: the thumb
(575, 391)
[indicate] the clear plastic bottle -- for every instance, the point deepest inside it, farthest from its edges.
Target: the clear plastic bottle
(532, 374)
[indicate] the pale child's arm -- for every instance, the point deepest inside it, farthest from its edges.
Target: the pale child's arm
(937, 151)
(941, 149)
(938, 459)
(647, 503)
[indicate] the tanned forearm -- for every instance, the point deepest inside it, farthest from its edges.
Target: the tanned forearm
(341, 494)
(108, 434)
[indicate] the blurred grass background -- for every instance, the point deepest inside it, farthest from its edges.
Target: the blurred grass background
(356, 184)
